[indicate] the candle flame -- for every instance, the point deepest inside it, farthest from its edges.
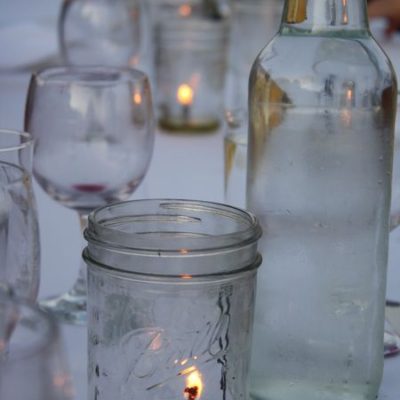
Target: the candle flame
(133, 61)
(137, 98)
(345, 12)
(194, 386)
(349, 94)
(185, 94)
(185, 10)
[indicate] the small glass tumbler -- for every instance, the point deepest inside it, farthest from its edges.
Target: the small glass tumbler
(171, 287)
(253, 24)
(19, 228)
(191, 57)
(32, 359)
(235, 157)
(101, 32)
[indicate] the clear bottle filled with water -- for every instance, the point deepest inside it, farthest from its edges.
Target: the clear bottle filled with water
(322, 108)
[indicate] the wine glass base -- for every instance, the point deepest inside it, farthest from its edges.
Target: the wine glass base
(391, 344)
(67, 308)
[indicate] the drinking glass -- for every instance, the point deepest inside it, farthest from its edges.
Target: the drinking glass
(19, 236)
(94, 131)
(32, 361)
(235, 157)
(254, 23)
(102, 32)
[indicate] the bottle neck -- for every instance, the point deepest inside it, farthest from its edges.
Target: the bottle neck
(325, 15)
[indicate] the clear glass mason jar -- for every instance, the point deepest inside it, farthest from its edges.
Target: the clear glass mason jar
(170, 300)
(191, 59)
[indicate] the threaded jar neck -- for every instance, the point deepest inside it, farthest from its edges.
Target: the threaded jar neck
(173, 238)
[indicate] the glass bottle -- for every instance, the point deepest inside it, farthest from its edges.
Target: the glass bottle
(322, 103)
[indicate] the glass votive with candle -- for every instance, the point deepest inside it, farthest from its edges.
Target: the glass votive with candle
(154, 12)
(191, 56)
(171, 287)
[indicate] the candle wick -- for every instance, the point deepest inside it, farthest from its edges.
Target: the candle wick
(186, 112)
(192, 392)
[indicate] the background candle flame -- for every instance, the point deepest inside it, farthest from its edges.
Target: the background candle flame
(185, 10)
(185, 94)
(137, 98)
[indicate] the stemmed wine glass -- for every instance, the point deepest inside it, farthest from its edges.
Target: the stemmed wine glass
(94, 132)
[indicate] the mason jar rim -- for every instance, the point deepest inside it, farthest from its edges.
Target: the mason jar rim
(26, 140)
(99, 228)
(177, 241)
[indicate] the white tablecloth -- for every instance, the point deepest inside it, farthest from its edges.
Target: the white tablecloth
(182, 167)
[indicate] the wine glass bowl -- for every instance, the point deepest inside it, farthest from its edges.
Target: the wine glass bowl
(94, 132)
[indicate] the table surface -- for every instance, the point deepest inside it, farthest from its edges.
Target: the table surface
(183, 166)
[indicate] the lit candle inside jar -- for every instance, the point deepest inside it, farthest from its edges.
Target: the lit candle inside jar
(185, 10)
(184, 96)
(137, 97)
(194, 386)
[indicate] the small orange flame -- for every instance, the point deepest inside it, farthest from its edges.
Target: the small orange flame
(137, 98)
(345, 12)
(133, 61)
(185, 10)
(349, 94)
(194, 386)
(185, 94)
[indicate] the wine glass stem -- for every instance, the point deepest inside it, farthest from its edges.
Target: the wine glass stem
(79, 288)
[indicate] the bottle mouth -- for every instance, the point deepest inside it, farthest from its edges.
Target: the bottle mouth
(172, 237)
